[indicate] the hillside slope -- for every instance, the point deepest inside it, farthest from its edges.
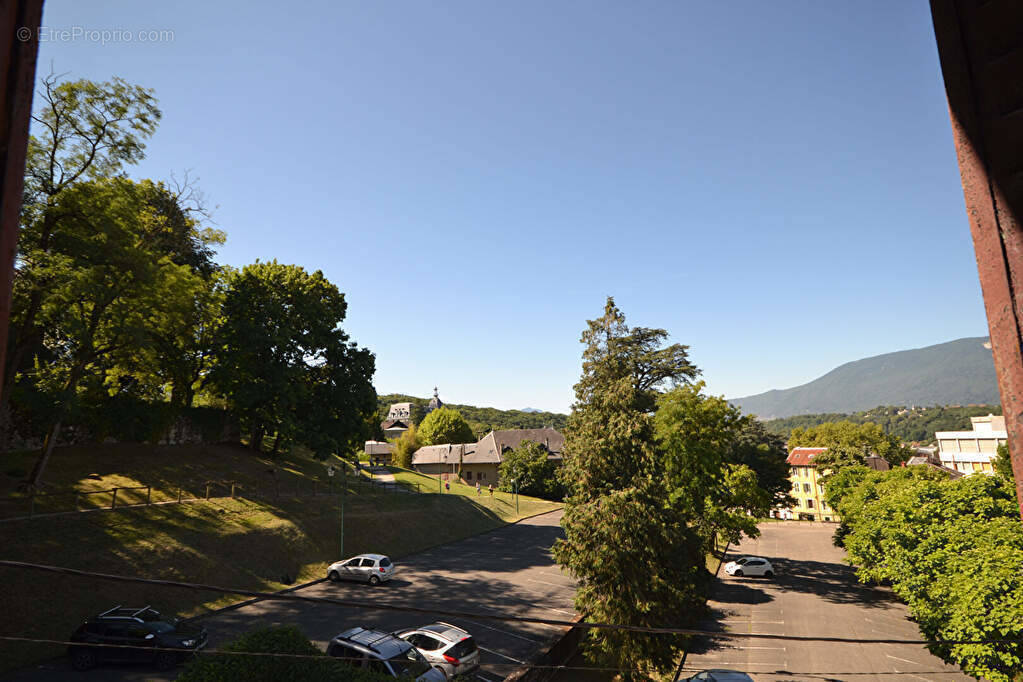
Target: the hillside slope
(959, 372)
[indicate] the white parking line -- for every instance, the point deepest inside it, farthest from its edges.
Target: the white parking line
(906, 660)
(506, 632)
(544, 582)
(498, 653)
(479, 676)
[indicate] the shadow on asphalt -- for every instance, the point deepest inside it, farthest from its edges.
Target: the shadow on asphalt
(835, 583)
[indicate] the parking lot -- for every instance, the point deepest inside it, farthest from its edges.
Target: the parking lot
(813, 594)
(507, 571)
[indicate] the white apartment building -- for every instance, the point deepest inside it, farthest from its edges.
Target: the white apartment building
(972, 451)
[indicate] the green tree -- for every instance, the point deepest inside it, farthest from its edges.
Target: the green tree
(637, 560)
(107, 289)
(698, 435)
(1003, 465)
(765, 453)
(849, 443)
(951, 550)
(285, 365)
(529, 468)
(85, 131)
(405, 446)
(445, 425)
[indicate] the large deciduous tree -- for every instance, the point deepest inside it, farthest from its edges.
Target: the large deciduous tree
(636, 557)
(528, 469)
(445, 425)
(698, 436)
(83, 131)
(285, 365)
(849, 443)
(109, 283)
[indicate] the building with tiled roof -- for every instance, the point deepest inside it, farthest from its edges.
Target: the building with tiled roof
(806, 488)
(480, 462)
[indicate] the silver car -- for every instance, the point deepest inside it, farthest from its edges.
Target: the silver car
(446, 647)
(368, 568)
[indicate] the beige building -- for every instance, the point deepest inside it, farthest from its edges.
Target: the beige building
(971, 452)
(479, 462)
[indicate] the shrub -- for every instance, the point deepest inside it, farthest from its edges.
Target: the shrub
(278, 640)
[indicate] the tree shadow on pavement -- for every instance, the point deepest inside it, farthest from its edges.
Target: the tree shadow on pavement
(832, 582)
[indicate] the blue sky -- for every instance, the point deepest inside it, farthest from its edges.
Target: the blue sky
(773, 183)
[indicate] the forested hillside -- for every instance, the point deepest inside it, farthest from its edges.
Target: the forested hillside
(960, 372)
(481, 419)
(908, 424)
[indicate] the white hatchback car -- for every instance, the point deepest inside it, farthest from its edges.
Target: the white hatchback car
(368, 568)
(750, 566)
(447, 647)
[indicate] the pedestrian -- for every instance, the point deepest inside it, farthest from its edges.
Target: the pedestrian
(447, 486)
(491, 487)
(478, 493)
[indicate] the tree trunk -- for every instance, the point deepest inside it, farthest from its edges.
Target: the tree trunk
(44, 457)
(277, 445)
(256, 442)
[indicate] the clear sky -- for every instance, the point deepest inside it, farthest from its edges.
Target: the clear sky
(774, 183)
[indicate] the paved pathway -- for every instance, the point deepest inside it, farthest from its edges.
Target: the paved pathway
(507, 571)
(813, 594)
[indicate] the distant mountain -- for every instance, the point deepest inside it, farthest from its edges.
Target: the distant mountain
(960, 372)
(530, 409)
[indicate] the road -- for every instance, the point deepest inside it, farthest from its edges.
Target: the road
(506, 571)
(814, 594)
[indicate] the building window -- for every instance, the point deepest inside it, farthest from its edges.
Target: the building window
(809, 504)
(467, 474)
(824, 505)
(806, 487)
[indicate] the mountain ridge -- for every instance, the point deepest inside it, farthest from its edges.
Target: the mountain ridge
(959, 372)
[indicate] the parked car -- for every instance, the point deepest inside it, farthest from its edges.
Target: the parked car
(134, 635)
(447, 647)
(368, 568)
(720, 675)
(382, 652)
(751, 566)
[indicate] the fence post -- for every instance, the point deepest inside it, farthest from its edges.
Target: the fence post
(232, 490)
(179, 495)
(32, 503)
(76, 500)
(113, 500)
(207, 491)
(149, 495)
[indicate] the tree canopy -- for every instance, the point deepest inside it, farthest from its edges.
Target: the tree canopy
(285, 364)
(445, 425)
(528, 469)
(850, 443)
(653, 474)
(951, 549)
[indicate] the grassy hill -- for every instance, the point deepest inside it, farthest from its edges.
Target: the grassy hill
(959, 372)
(481, 419)
(261, 544)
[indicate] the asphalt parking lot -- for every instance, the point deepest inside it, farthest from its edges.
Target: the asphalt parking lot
(507, 571)
(813, 594)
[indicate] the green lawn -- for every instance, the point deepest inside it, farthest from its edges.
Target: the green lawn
(250, 544)
(501, 504)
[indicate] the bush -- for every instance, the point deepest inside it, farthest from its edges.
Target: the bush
(278, 640)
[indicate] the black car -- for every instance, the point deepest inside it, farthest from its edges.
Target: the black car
(137, 635)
